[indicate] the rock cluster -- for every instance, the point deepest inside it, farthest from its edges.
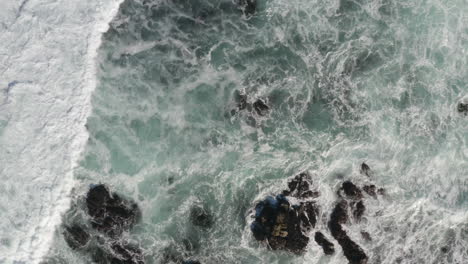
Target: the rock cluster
(282, 224)
(110, 215)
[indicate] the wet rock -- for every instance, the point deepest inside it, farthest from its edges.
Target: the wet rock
(126, 254)
(358, 210)
(365, 169)
(299, 186)
(462, 108)
(381, 191)
(241, 100)
(191, 262)
(110, 214)
(280, 224)
(248, 7)
(201, 217)
(351, 190)
(308, 212)
(352, 251)
(366, 236)
(260, 107)
(118, 253)
(76, 236)
(370, 190)
(327, 246)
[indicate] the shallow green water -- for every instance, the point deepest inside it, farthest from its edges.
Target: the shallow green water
(346, 82)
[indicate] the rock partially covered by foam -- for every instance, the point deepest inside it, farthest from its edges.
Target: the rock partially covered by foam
(284, 225)
(201, 217)
(110, 214)
(118, 253)
(352, 251)
(76, 236)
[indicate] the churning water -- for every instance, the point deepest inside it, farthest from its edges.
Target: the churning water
(346, 82)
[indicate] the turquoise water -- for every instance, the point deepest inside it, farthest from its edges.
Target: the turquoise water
(346, 82)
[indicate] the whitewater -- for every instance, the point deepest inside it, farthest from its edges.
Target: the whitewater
(47, 75)
(159, 101)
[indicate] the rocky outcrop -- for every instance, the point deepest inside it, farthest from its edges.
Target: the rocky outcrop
(327, 246)
(248, 7)
(352, 251)
(109, 216)
(282, 224)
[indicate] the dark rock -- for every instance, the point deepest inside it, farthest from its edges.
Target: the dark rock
(260, 107)
(299, 186)
(240, 99)
(444, 249)
(110, 214)
(381, 191)
(118, 253)
(370, 190)
(338, 216)
(351, 250)
(462, 108)
(366, 235)
(248, 7)
(279, 223)
(126, 254)
(358, 210)
(351, 190)
(201, 217)
(365, 169)
(75, 236)
(327, 246)
(191, 262)
(308, 212)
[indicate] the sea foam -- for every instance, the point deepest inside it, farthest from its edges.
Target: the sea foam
(47, 69)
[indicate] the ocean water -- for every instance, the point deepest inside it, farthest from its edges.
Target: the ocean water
(346, 82)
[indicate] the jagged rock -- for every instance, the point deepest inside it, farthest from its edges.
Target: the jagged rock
(365, 169)
(352, 251)
(370, 190)
(191, 262)
(327, 246)
(462, 108)
(358, 210)
(240, 99)
(110, 214)
(351, 190)
(366, 236)
(248, 7)
(201, 217)
(280, 224)
(260, 107)
(118, 253)
(308, 213)
(75, 236)
(299, 186)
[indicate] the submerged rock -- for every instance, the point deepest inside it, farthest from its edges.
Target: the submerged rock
(76, 236)
(260, 107)
(248, 7)
(118, 253)
(201, 217)
(110, 214)
(327, 246)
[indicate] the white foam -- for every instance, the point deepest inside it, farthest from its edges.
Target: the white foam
(47, 69)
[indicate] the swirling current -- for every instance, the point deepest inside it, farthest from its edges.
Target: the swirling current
(344, 81)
